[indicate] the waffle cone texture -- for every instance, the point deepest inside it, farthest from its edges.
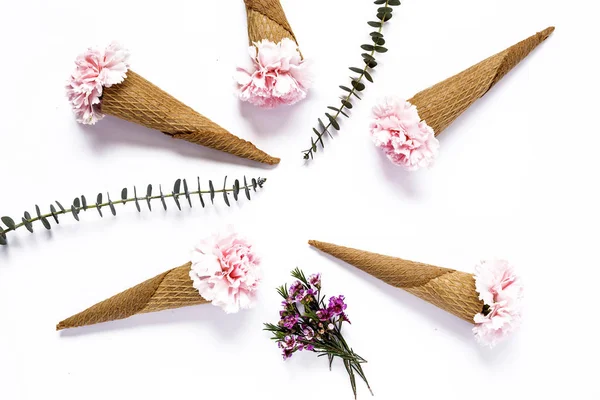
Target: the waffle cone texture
(138, 100)
(169, 290)
(448, 289)
(267, 20)
(442, 103)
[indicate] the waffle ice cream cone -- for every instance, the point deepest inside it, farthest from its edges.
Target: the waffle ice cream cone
(267, 20)
(442, 103)
(138, 100)
(169, 290)
(448, 289)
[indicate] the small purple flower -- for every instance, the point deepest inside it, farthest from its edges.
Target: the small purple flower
(336, 306)
(295, 288)
(308, 333)
(306, 346)
(290, 321)
(288, 345)
(287, 353)
(344, 317)
(315, 280)
(323, 314)
(303, 294)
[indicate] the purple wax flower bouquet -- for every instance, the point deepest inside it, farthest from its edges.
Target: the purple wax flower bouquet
(307, 323)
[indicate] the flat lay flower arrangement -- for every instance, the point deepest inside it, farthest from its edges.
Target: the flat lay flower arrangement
(225, 269)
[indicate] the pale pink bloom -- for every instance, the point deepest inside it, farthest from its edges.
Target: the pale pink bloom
(398, 130)
(276, 75)
(501, 290)
(226, 271)
(95, 69)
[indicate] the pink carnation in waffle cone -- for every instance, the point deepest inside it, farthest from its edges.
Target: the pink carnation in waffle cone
(276, 73)
(406, 130)
(224, 271)
(102, 83)
(490, 299)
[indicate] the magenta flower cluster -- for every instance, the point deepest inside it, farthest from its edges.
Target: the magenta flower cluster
(308, 322)
(305, 320)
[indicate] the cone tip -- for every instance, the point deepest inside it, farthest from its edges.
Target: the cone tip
(60, 326)
(547, 32)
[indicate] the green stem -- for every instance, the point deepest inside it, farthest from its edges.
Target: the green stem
(106, 204)
(348, 97)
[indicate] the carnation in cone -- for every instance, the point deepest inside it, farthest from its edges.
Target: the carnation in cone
(102, 83)
(276, 73)
(224, 271)
(491, 299)
(406, 130)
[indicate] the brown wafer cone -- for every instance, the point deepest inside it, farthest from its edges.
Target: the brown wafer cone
(450, 290)
(171, 289)
(442, 103)
(267, 20)
(138, 100)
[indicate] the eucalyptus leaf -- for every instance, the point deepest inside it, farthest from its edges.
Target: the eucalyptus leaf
(358, 85)
(212, 192)
(236, 189)
(380, 49)
(3, 241)
(368, 47)
(346, 89)
(357, 70)
(98, 200)
(200, 193)
(27, 224)
(254, 183)
(148, 195)
(225, 192)
(124, 194)
(374, 24)
(76, 203)
(111, 205)
(177, 186)
(394, 3)
(334, 123)
(347, 104)
(45, 223)
(53, 212)
(246, 189)
(75, 212)
(137, 203)
(59, 206)
(8, 221)
(27, 215)
(187, 192)
(162, 197)
(83, 202)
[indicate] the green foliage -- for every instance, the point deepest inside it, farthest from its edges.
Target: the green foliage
(80, 203)
(384, 14)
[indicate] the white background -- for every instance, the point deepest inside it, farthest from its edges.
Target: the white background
(516, 178)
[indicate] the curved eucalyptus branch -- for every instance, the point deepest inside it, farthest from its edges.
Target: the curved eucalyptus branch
(80, 204)
(384, 14)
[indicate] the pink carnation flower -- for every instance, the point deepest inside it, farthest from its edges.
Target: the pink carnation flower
(225, 271)
(399, 131)
(502, 292)
(277, 75)
(95, 69)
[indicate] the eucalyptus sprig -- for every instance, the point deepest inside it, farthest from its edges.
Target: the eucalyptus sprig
(180, 189)
(384, 14)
